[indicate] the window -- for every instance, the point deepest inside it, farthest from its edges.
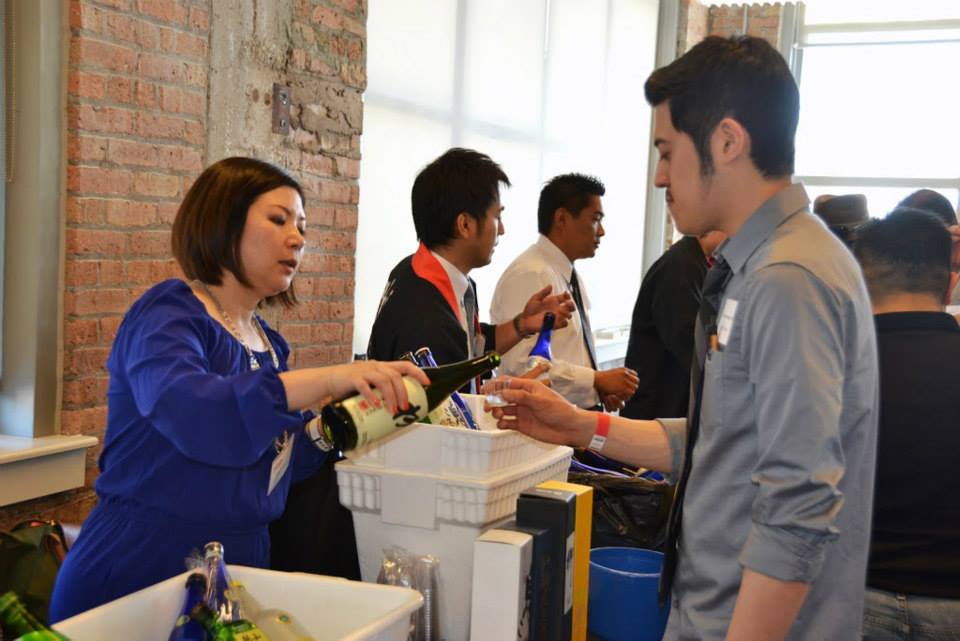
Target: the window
(542, 86)
(878, 99)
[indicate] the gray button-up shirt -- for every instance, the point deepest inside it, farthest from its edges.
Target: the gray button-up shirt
(782, 476)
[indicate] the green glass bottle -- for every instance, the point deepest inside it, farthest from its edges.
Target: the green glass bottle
(354, 422)
(238, 630)
(17, 620)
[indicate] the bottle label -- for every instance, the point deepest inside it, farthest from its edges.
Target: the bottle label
(374, 423)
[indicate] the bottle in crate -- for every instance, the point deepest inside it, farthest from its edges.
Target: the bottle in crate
(454, 411)
(278, 625)
(185, 628)
(238, 630)
(354, 422)
(16, 620)
(219, 597)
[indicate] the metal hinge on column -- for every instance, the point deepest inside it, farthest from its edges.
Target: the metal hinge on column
(281, 109)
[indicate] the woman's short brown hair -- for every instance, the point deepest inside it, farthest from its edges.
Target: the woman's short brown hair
(209, 224)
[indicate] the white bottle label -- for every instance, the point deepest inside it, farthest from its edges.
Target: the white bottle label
(374, 423)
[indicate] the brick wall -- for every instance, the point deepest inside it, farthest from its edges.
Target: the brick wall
(140, 87)
(763, 20)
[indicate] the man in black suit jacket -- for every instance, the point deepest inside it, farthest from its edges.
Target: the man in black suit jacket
(430, 300)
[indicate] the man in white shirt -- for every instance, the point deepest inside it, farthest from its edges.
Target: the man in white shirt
(569, 218)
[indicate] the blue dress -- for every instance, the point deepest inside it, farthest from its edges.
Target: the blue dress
(192, 434)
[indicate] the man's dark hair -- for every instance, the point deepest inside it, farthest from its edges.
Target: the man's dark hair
(906, 252)
(569, 191)
(933, 202)
(743, 78)
(461, 180)
(209, 225)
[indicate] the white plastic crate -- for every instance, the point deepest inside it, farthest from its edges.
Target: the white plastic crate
(436, 449)
(329, 608)
(439, 515)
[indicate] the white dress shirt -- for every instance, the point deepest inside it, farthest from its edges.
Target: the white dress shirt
(540, 265)
(460, 284)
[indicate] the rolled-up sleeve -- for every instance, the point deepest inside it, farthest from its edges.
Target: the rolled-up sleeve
(676, 431)
(793, 345)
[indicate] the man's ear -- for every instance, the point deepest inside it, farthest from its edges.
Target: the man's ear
(464, 225)
(561, 217)
(729, 142)
(954, 277)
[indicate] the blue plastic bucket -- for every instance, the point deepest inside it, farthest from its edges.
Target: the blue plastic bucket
(623, 595)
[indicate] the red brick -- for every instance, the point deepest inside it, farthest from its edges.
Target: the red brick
(81, 272)
(194, 133)
(96, 301)
(180, 159)
(128, 213)
(346, 218)
(165, 10)
(97, 118)
(101, 54)
(332, 191)
(96, 180)
(85, 391)
(157, 126)
(350, 6)
(120, 89)
(120, 27)
(190, 46)
(86, 148)
(327, 333)
(337, 21)
(83, 421)
(319, 217)
(317, 164)
(329, 287)
(348, 167)
(160, 68)
(167, 212)
(154, 184)
(147, 35)
(341, 309)
(86, 85)
(131, 152)
(145, 94)
(84, 16)
(108, 328)
(310, 310)
(142, 272)
(317, 356)
(297, 333)
(111, 272)
(151, 243)
(199, 19)
(195, 74)
(84, 210)
(87, 242)
(173, 99)
(334, 240)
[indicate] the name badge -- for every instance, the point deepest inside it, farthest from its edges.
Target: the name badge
(281, 463)
(725, 323)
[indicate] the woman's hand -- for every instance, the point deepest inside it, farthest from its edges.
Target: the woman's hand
(385, 377)
(539, 412)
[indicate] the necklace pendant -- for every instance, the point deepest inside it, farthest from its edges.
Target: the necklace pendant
(254, 363)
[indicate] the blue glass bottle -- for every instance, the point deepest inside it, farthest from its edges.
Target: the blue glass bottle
(425, 359)
(540, 354)
(185, 628)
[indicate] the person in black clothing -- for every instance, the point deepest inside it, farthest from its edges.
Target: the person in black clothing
(913, 577)
(429, 299)
(661, 334)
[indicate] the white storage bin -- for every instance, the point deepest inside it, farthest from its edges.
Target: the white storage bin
(436, 449)
(329, 608)
(439, 515)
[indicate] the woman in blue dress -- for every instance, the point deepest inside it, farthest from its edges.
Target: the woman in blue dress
(205, 421)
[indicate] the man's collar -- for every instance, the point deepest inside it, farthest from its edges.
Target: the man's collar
(555, 257)
(458, 280)
(761, 224)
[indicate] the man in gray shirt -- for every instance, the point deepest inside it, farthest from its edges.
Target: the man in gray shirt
(775, 462)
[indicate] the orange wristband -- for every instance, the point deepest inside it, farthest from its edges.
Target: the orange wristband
(600, 436)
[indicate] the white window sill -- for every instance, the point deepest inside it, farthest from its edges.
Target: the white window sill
(34, 467)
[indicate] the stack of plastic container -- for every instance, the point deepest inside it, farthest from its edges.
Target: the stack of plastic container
(433, 489)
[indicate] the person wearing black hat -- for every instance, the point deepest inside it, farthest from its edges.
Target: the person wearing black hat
(843, 214)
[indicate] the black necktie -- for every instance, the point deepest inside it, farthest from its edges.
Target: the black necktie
(705, 328)
(584, 321)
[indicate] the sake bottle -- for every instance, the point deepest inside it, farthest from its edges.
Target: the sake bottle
(456, 405)
(17, 621)
(185, 628)
(276, 624)
(238, 630)
(354, 422)
(540, 354)
(219, 597)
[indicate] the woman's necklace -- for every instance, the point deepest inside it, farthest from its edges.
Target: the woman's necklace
(254, 363)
